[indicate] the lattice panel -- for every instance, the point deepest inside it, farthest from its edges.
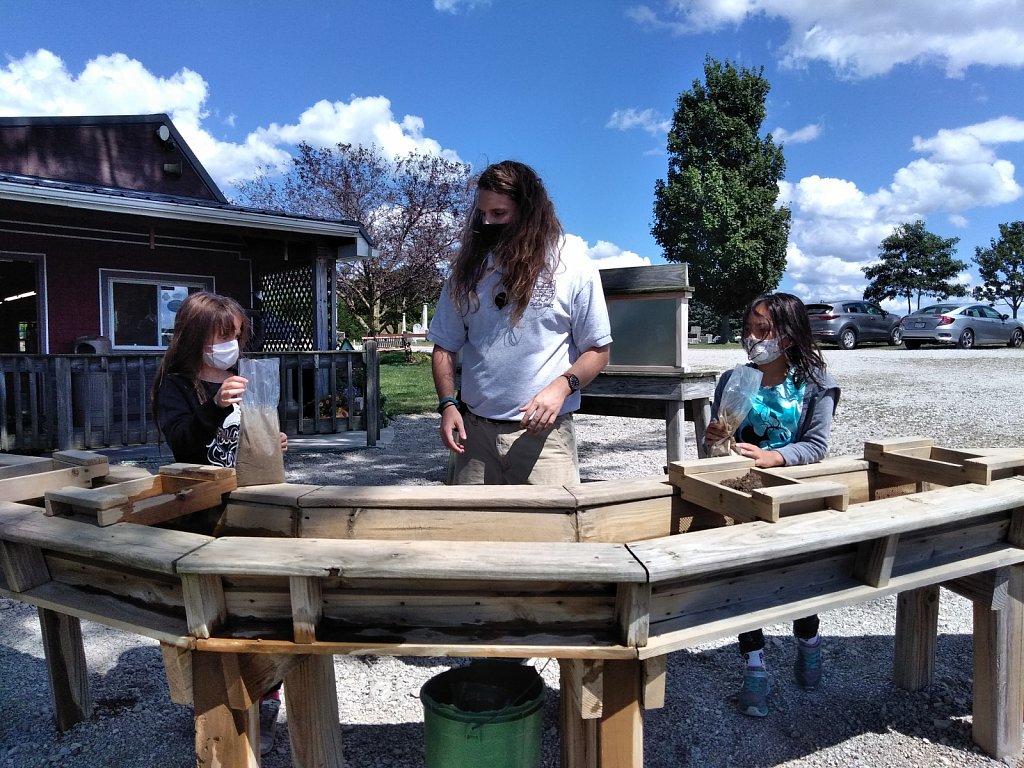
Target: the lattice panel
(288, 310)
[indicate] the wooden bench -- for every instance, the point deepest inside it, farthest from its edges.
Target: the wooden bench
(242, 612)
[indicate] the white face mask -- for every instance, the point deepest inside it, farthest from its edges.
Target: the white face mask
(761, 351)
(222, 356)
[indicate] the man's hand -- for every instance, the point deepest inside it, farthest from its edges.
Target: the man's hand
(453, 429)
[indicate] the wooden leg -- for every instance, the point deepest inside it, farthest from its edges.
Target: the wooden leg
(998, 666)
(621, 740)
(65, 663)
(311, 698)
(675, 424)
(579, 735)
(917, 625)
(225, 736)
(701, 414)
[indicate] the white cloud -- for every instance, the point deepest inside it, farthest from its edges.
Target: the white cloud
(606, 255)
(837, 227)
(455, 6)
(800, 136)
(864, 39)
(40, 84)
(648, 119)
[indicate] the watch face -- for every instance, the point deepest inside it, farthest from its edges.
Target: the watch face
(574, 382)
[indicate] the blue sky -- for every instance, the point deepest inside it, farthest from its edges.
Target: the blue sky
(888, 112)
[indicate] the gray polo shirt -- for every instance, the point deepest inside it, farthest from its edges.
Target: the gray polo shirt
(503, 366)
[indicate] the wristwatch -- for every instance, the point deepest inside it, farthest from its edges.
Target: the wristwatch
(574, 382)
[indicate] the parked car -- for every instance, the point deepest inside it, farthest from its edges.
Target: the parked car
(849, 322)
(966, 326)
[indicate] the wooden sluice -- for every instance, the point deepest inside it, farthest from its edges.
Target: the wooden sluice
(607, 577)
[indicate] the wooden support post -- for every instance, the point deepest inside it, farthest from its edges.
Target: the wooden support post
(579, 735)
(312, 701)
(225, 737)
(23, 566)
(65, 664)
(917, 624)
(621, 733)
(998, 667)
(307, 607)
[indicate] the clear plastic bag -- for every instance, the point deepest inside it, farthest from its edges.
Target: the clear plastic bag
(260, 461)
(737, 397)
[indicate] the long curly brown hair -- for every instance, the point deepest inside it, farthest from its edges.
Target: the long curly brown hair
(200, 316)
(527, 251)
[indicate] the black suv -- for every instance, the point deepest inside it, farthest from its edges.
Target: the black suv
(848, 322)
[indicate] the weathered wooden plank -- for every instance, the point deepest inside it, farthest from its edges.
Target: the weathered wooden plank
(36, 485)
(621, 732)
(633, 613)
(579, 731)
(313, 727)
(74, 498)
(158, 591)
(12, 465)
(178, 669)
(226, 737)
(171, 504)
(875, 559)
(491, 561)
(66, 667)
(523, 525)
(628, 521)
(205, 610)
(257, 519)
(655, 677)
(874, 449)
(917, 625)
(79, 458)
(472, 497)
(23, 566)
(708, 551)
(987, 589)
(196, 471)
(426, 642)
(107, 610)
(592, 495)
(121, 473)
(998, 672)
(583, 680)
(658, 278)
(307, 607)
(279, 494)
(134, 546)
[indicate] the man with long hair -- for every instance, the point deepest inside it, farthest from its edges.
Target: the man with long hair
(530, 321)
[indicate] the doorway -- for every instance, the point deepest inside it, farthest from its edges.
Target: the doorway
(19, 304)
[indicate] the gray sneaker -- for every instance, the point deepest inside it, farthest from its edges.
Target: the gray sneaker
(753, 698)
(269, 707)
(807, 669)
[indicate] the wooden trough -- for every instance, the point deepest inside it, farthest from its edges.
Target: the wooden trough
(607, 577)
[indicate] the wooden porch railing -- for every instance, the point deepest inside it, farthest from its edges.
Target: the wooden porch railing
(60, 402)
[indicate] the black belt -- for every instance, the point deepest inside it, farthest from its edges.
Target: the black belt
(499, 422)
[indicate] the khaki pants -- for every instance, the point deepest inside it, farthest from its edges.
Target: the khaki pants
(504, 454)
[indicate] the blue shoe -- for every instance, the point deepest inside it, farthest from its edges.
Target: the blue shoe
(807, 668)
(753, 698)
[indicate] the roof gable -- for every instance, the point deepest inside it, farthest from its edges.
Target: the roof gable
(144, 153)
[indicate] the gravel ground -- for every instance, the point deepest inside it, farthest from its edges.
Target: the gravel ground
(857, 718)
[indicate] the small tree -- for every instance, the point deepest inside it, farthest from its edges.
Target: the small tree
(915, 263)
(1001, 268)
(412, 207)
(717, 207)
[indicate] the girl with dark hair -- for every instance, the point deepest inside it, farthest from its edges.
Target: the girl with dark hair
(529, 319)
(196, 394)
(789, 423)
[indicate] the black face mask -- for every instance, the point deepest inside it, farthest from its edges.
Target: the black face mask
(490, 234)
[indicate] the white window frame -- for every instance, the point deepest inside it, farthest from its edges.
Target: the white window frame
(108, 277)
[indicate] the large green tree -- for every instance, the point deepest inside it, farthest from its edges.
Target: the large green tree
(914, 262)
(412, 206)
(718, 206)
(1001, 268)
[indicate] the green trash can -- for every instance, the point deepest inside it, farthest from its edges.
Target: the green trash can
(486, 715)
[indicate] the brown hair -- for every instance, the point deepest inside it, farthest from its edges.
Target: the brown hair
(526, 251)
(200, 316)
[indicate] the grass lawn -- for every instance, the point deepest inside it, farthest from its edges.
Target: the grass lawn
(408, 387)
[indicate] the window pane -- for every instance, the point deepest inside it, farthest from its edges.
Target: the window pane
(171, 297)
(135, 315)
